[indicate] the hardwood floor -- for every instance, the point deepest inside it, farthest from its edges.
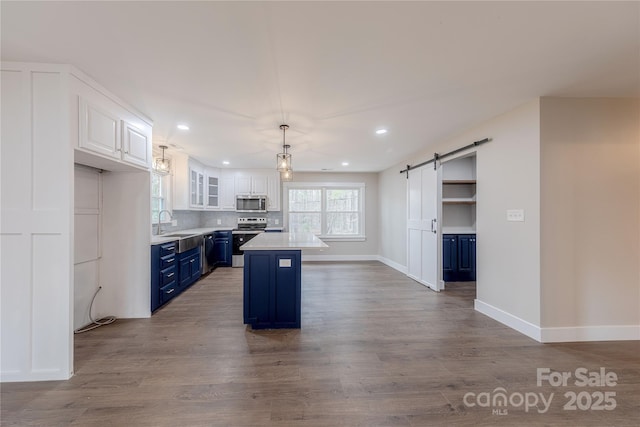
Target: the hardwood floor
(375, 349)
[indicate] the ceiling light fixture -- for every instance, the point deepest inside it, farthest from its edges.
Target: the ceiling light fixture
(225, 162)
(162, 165)
(283, 160)
(381, 131)
(183, 127)
(345, 163)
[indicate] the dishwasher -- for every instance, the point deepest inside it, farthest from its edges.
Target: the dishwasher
(206, 253)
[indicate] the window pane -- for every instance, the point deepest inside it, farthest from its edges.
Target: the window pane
(343, 223)
(156, 185)
(304, 222)
(342, 200)
(305, 200)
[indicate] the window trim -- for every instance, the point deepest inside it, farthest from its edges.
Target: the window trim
(360, 186)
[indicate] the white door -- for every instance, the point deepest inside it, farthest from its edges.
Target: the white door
(422, 227)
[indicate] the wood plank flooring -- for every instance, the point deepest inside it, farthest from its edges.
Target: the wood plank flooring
(375, 349)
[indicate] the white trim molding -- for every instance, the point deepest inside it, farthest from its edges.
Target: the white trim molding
(313, 258)
(522, 326)
(591, 333)
(396, 266)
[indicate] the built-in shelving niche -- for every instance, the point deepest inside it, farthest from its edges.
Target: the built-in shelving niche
(459, 195)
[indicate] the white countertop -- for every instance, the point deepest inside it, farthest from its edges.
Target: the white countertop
(283, 241)
(163, 238)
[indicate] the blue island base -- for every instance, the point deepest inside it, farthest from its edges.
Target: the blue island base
(272, 288)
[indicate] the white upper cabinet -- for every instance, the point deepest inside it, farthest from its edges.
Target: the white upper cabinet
(226, 185)
(107, 129)
(196, 184)
(99, 130)
(136, 144)
(212, 190)
(273, 192)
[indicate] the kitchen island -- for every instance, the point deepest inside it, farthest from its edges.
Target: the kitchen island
(272, 278)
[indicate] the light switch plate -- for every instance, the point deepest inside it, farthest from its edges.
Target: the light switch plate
(174, 222)
(277, 221)
(219, 222)
(515, 215)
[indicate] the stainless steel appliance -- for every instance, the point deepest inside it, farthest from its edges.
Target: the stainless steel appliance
(206, 252)
(246, 229)
(253, 203)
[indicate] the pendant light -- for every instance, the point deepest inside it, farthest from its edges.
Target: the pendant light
(286, 175)
(284, 159)
(161, 165)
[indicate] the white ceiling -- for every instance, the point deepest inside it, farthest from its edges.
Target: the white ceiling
(334, 71)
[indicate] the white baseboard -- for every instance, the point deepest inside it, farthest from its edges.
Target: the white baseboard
(386, 261)
(562, 334)
(522, 326)
(591, 333)
(339, 257)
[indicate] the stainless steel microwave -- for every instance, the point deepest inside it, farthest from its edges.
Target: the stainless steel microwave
(253, 203)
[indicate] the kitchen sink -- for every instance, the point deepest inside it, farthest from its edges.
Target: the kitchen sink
(186, 241)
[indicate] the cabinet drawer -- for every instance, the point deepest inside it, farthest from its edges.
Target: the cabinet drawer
(167, 261)
(167, 276)
(168, 249)
(168, 291)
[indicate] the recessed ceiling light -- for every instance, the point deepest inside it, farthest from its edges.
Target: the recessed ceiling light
(345, 163)
(225, 162)
(381, 131)
(183, 127)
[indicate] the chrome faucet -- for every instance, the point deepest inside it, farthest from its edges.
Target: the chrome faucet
(160, 231)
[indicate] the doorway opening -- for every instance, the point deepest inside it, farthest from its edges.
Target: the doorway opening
(458, 216)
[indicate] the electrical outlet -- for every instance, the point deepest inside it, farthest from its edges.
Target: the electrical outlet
(515, 215)
(219, 222)
(174, 222)
(277, 221)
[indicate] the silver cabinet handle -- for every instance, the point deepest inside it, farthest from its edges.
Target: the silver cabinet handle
(170, 275)
(170, 260)
(170, 291)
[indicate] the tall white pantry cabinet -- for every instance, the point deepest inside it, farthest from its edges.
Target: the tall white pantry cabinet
(52, 116)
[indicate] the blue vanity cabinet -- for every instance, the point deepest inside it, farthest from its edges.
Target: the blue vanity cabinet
(449, 257)
(459, 257)
(466, 257)
(163, 273)
(272, 288)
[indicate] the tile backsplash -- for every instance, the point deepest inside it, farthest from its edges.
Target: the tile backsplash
(202, 219)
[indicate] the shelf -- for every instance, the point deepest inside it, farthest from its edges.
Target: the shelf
(459, 181)
(458, 201)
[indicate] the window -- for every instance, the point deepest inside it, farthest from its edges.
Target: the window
(331, 211)
(160, 196)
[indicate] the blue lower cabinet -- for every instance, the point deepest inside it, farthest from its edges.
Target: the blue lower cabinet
(163, 273)
(449, 257)
(222, 247)
(459, 257)
(272, 289)
(189, 267)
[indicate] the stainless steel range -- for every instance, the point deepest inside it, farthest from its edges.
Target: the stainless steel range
(246, 229)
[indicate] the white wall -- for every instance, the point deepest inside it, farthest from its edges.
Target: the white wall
(367, 249)
(508, 175)
(392, 208)
(590, 226)
(36, 226)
